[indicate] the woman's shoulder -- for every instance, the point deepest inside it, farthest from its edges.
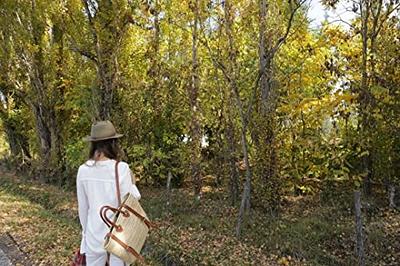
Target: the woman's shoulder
(86, 164)
(89, 164)
(123, 166)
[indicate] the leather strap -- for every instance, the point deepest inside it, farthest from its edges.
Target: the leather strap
(108, 207)
(126, 247)
(108, 222)
(117, 183)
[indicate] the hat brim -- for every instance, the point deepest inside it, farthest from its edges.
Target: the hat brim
(89, 138)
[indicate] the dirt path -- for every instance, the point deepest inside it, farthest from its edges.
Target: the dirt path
(10, 254)
(4, 261)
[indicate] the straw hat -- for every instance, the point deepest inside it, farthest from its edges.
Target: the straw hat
(102, 130)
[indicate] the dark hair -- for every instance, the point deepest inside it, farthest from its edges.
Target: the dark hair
(109, 147)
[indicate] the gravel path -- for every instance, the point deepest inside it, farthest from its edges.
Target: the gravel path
(4, 261)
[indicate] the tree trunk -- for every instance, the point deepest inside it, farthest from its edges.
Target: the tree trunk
(195, 132)
(57, 114)
(245, 203)
(169, 178)
(18, 143)
(233, 171)
(231, 78)
(44, 134)
(230, 130)
(263, 59)
(365, 98)
(107, 28)
(265, 135)
(359, 229)
(154, 71)
(392, 193)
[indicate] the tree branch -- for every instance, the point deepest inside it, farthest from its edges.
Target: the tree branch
(84, 53)
(385, 17)
(282, 39)
(90, 19)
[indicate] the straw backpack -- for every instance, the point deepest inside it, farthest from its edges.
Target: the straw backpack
(129, 227)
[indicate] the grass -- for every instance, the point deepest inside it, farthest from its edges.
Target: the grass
(40, 225)
(43, 220)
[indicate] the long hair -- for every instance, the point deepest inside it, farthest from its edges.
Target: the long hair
(109, 147)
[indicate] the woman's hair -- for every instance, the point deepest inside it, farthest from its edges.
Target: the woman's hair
(109, 147)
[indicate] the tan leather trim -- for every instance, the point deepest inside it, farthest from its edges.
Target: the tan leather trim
(126, 247)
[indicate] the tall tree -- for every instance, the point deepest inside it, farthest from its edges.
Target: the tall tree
(193, 92)
(265, 137)
(106, 25)
(34, 40)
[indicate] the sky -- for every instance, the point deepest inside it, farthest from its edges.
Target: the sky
(317, 13)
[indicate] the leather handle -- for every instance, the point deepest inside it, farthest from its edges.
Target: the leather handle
(108, 222)
(117, 183)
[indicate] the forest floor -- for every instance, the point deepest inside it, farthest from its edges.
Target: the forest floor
(42, 221)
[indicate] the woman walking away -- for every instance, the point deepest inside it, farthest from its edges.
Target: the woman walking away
(96, 187)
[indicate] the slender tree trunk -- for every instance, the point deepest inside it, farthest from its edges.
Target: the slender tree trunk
(58, 115)
(264, 66)
(193, 92)
(365, 97)
(266, 151)
(359, 229)
(155, 64)
(245, 203)
(233, 171)
(231, 78)
(17, 141)
(392, 193)
(44, 134)
(169, 178)
(230, 130)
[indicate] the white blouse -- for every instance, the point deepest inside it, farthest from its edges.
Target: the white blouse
(95, 184)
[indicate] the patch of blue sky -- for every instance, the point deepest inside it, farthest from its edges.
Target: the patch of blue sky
(342, 15)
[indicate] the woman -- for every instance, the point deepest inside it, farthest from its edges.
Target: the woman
(96, 187)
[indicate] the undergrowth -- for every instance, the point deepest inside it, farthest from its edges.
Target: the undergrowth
(43, 220)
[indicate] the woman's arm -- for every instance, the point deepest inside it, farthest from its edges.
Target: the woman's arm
(126, 183)
(83, 205)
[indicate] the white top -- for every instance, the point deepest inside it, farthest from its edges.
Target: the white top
(95, 184)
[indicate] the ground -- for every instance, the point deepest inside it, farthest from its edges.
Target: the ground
(42, 221)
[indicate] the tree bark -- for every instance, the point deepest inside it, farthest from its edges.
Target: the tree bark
(365, 98)
(107, 29)
(230, 130)
(193, 91)
(266, 153)
(44, 134)
(233, 171)
(18, 143)
(169, 178)
(359, 229)
(392, 193)
(57, 113)
(245, 203)
(264, 59)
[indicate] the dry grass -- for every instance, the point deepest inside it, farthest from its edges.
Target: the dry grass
(43, 220)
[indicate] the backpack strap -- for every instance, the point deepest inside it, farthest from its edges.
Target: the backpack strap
(118, 198)
(117, 183)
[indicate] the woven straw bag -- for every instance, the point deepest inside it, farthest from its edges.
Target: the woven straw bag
(129, 227)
